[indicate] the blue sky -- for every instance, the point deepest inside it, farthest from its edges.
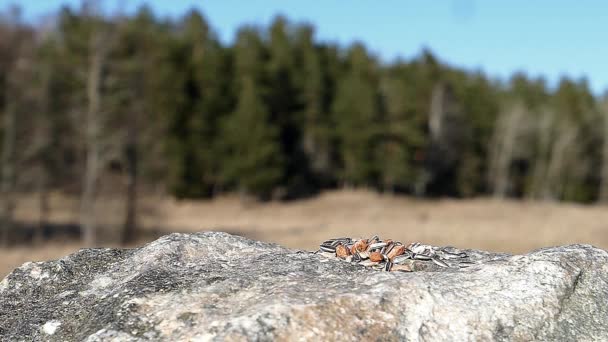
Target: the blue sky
(541, 37)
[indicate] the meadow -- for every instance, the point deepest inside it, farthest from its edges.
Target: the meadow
(482, 223)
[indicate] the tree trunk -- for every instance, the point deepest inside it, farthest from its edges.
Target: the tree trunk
(44, 209)
(130, 227)
(544, 129)
(87, 201)
(437, 113)
(92, 141)
(603, 196)
(44, 152)
(7, 181)
(560, 157)
(503, 150)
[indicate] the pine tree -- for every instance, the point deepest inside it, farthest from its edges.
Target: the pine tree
(197, 79)
(211, 101)
(162, 102)
(286, 106)
(313, 90)
(575, 146)
(355, 111)
(88, 40)
(135, 59)
(403, 134)
(479, 104)
(252, 160)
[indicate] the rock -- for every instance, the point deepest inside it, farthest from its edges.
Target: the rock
(215, 286)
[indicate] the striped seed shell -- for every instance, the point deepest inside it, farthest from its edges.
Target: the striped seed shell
(387, 248)
(440, 262)
(377, 245)
(368, 263)
(388, 266)
(401, 258)
(327, 249)
(373, 239)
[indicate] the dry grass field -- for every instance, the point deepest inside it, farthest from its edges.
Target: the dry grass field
(507, 226)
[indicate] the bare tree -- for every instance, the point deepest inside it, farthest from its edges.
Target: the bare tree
(504, 144)
(16, 41)
(7, 180)
(563, 152)
(603, 196)
(544, 133)
(129, 231)
(448, 129)
(131, 88)
(41, 150)
(559, 165)
(98, 50)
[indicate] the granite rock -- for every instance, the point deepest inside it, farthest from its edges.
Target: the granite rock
(214, 286)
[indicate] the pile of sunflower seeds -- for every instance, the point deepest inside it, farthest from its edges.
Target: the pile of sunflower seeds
(389, 255)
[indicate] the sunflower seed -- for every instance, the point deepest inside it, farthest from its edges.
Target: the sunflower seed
(401, 258)
(368, 263)
(389, 255)
(327, 249)
(377, 245)
(364, 255)
(439, 262)
(421, 257)
(388, 266)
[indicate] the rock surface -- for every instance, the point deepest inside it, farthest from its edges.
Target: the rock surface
(215, 286)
